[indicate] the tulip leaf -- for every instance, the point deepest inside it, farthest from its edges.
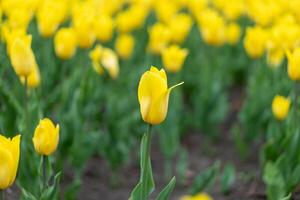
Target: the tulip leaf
(50, 192)
(165, 193)
(205, 179)
(137, 191)
(228, 178)
(27, 195)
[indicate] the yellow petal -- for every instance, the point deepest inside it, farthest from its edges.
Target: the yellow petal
(6, 172)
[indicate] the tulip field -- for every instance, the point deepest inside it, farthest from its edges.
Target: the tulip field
(149, 99)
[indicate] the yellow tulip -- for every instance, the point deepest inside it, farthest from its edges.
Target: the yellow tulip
(105, 58)
(200, 196)
(34, 78)
(212, 27)
(255, 41)
(124, 45)
(180, 26)
(46, 137)
(104, 28)
(159, 37)
(84, 29)
(9, 160)
(95, 56)
(233, 33)
(22, 58)
(280, 107)
(294, 64)
(65, 43)
(173, 58)
(110, 62)
(153, 95)
(165, 10)
(275, 57)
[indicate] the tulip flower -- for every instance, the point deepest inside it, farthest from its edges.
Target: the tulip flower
(255, 41)
(233, 33)
(159, 37)
(46, 137)
(173, 58)
(280, 107)
(105, 58)
(124, 45)
(65, 43)
(200, 196)
(294, 64)
(153, 95)
(22, 58)
(104, 28)
(9, 160)
(180, 26)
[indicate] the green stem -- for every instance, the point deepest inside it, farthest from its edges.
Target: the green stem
(26, 132)
(296, 101)
(44, 172)
(146, 161)
(1, 194)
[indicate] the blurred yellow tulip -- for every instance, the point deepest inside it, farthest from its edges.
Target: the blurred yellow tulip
(95, 56)
(9, 160)
(180, 26)
(255, 41)
(280, 107)
(159, 38)
(200, 196)
(233, 33)
(65, 43)
(104, 28)
(124, 45)
(46, 137)
(173, 58)
(294, 64)
(22, 58)
(153, 95)
(34, 78)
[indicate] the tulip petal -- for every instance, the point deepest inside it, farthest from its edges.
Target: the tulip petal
(6, 174)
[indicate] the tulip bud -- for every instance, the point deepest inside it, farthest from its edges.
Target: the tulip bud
(104, 28)
(124, 45)
(294, 64)
(65, 43)
(233, 33)
(9, 160)
(46, 137)
(173, 58)
(22, 58)
(280, 107)
(153, 95)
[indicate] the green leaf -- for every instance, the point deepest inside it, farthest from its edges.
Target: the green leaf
(182, 165)
(136, 193)
(228, 178)
(165, 193)
(50, 192)
(287, 197)
(205, 179)
(27, 195)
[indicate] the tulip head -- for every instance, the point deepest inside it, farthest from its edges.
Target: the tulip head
(280, 107)
(46, 137)
(104, 28)
(180, 26)
(173, 58)
(233, 33)
(124, 45)
(200, 196)
(255, 41)
(22, 58)
(65, 43)
(9, 160)
(153, 95)
(159, 37)
(294, 64)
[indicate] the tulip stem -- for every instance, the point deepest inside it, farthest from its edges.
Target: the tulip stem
(26, 105)
(1, 194)
(296, 101)
(44, 163)
(146, 161)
